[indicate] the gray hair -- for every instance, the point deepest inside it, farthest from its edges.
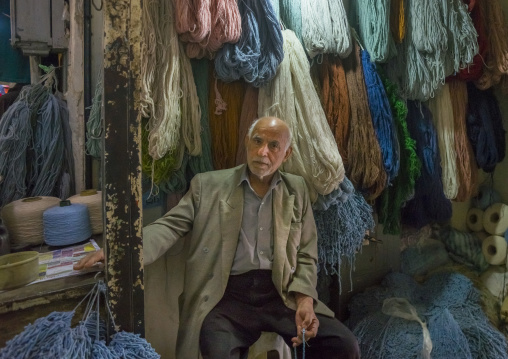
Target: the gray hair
(251, 128)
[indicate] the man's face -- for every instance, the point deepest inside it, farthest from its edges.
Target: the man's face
(266, 148)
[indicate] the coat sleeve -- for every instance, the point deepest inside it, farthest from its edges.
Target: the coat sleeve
(162, 234)
(305, 277)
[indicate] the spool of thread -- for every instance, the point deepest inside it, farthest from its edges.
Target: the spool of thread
(494, 250)
(474, 219)
(93, 200)
(23, 219)
(485, 198)
(495, 219)
(66, 224)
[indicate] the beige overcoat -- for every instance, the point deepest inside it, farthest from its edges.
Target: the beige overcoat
(212, 212)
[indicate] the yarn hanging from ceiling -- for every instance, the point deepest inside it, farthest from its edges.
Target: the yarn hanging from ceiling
(248, 115)
(225, 26)
(382, 118)
(374, 27)
(442, 115)
(168, 91)
(397, 20)
(365, 163)
(291, 16)
(467, 171)
(291, 96)
(224, 122)
(495, 61)
(403, 186)
(258, 52)
(325, 28)
(93, 126)
(429, 203)
(485, 128)
(335, 99)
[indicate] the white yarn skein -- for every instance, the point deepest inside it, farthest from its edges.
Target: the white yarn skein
(23, 219)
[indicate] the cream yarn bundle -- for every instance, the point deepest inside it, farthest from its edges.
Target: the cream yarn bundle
(93, 200)
(23, 219)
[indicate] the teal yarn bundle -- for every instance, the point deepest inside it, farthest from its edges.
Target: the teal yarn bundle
(291, 16)
(258, 53)
(53, 336)
(447, 302)
(382, 118)
(66, 224)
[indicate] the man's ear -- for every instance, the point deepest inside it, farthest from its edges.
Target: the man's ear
(288, 153)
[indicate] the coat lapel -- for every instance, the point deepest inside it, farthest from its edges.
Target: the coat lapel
(231, 211)
(282, 213)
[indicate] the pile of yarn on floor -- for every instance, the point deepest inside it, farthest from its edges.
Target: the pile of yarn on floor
(447, 305)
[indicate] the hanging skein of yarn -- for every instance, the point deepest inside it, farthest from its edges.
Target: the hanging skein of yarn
(94, 123)
(93, 200)
(66, 224)
(315, 155)
(397, 20)
(15, 136)
(403, 186)
(374, 27)
(429, 203)
(325, 28)
(248, 115)
(24, 220)
(258, 52)
(365, 163)
(382, 118)
(335, 99)
(485, 128)
(442, 115)
(486, 196)
(291, 16)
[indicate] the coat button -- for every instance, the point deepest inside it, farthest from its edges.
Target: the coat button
(205, 249)
(293, 269)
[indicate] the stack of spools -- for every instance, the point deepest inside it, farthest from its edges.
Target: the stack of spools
(489, 220)
(23, 219)
(66, 224)
(93, 200)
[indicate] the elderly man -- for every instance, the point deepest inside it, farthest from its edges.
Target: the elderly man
(252, 260)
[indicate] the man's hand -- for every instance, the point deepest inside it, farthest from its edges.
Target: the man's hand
(90, 260)
(305, 319)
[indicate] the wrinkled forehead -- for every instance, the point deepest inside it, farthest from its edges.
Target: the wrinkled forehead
(269, 132)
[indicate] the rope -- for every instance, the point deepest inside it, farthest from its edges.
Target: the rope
(315, 155)
(325, 28)
(258, 52)
(94, 123)
(382, 118)
(303, 346)
(365, 164)
(442, 115)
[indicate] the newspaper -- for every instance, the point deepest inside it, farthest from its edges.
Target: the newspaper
(59, 263)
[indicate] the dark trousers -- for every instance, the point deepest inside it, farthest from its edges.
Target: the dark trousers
(251, 305)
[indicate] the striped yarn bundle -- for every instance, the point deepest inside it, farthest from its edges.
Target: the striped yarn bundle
(258, 52)
(365, 163)
(166, 75)
(403, 186)
(464, 247)
(24, 220)
(485, 128)
(467, 171)
(66, 224)
(429, 204)
(325, 28)
(291, 96)
(496, 57)
(206, 25)
(224, 122)
(449, 304)
(335, 100)
(93, 200)
(442, 115)
(374, 27)
(342, 219)
(382, 118)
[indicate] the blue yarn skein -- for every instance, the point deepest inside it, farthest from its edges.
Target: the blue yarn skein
(67, 224)
(258, 53)
(382, 117)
